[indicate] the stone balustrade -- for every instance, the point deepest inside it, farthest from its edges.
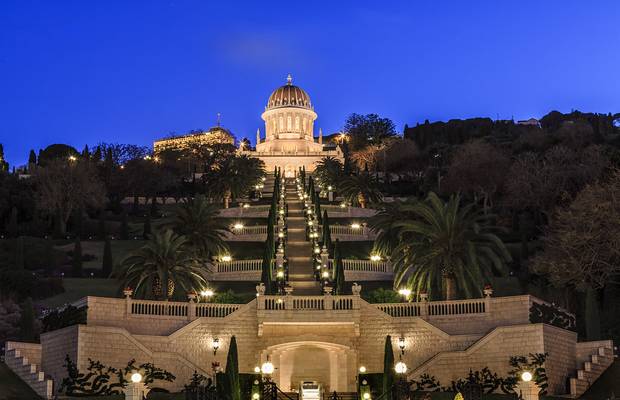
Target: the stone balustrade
(351, 233)
(252, 233)
(436, 308)
(188, 310)
(308, 303)
(250, 210)
(238, 266)
(337, 211)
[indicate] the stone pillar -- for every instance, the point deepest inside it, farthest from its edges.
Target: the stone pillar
(423, 304)
(135, 391)
(365, 229)
(191, 307)
(488, 291)
(327, 298)
(527, 390)
(260, 292)
(127, 292)
(324, 258)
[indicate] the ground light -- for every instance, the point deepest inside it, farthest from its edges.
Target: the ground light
(238, 226)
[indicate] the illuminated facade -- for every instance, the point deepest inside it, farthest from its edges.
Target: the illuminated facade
(215, 135)
(289, 141)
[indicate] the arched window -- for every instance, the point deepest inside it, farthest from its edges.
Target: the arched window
(289, 123)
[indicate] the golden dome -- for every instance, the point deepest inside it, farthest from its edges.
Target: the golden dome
(289, 95)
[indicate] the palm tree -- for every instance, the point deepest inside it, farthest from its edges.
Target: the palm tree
(165, 260)
(443, 245)
(234, 176)
(360, 189)
(198, 221)
(384, 222)
(329, 171)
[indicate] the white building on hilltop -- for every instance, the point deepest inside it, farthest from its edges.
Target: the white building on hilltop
(289, 142)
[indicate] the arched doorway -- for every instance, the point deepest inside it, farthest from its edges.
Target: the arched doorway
(290, 171)
(332, 365)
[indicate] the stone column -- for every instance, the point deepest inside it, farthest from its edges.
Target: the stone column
(127, 292)
(527, 390)
(423, 304)
(488, 291)
(135, 391)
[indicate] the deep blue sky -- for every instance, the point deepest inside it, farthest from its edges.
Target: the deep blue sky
(81, 72)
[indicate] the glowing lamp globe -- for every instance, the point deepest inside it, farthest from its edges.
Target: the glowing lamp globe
(257, 369)
(526, 376)
(404, 292)
(255, 396)
(366, 396)
(137, 377)
(400, 367)
(267, 368)
(362, 369)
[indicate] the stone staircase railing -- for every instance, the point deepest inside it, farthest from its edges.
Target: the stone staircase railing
(436, 308)
(248, 210)
(308, 303)
(600, 358)
(188, 310)
(351, 232)
(27, 371)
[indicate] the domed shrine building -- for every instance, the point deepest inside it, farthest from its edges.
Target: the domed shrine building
(289, 141)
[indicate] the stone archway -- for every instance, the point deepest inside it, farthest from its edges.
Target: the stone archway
(290, 171)
(332, 365)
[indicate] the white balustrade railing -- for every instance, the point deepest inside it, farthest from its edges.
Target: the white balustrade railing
(435, 308)
(364, 265)
(180, 309)
(248, 211)
(238, 265)
(308, 303)
(212, 310)
(154, 307)
(250, 230)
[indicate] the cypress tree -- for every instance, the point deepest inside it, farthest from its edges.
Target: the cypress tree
(147, 227)
(338, 269)
(12, 228)
(20, 262)
(232, 371)
(108, 261)
(124, 231)
(26, 321)
(327, 237)
(97, 154)
(388, 369)
(86, 153)
(265, 276)
(317, 207)
(32, 159)
(154, 207)
(76, 262)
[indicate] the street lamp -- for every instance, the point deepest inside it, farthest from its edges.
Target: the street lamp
(400, 368)
(136, 377)
(401, 344)
(215, 343)
(267, 368)
(362, 370)
(526, 376)
(226, 258)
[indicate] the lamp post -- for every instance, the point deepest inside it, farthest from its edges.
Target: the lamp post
(135, 389)
(526, 388)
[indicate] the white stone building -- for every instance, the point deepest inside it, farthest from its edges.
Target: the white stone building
(289, 141)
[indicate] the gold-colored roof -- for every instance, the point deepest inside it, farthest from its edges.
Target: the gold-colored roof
(289, 95)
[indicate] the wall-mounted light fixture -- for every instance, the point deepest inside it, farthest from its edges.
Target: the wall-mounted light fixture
(401, 344)
(215, 343)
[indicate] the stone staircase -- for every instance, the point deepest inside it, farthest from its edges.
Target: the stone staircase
(29, 373)
(598, 362)
(298, 249)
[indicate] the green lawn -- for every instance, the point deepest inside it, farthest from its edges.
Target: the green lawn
(76, 288)
(12, 387)
(120, 248)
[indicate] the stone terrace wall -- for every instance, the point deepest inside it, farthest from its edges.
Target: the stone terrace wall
(32, 351)
(492, 351)
(55, 346)
(561, 361)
